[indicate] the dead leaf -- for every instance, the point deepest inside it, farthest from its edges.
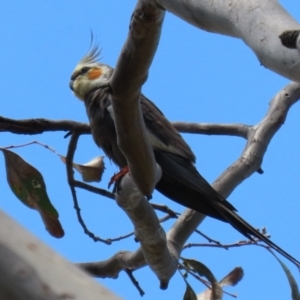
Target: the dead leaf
(230, 279)
(233, 277)
(91, 171)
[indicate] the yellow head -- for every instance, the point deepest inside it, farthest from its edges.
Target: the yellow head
(89, 74)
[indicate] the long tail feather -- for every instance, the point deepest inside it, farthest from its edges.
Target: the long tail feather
(249, 231)
(182, 183)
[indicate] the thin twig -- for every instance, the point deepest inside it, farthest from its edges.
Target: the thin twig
(122, 237)
(165, 209)
(134, 281)
(69, 163)
(240, 130)
(37, 126)
(93, 189)
(210, 240)
(205, 282)
(32, 143)
(227, 246)
(183, 267)
(161, 220)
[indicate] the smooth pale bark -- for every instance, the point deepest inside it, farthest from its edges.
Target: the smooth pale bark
(161, 257)
(258, 23)
(130, 74)
(258, 139)
(31, 270)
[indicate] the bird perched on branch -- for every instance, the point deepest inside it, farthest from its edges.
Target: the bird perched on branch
(180, 181)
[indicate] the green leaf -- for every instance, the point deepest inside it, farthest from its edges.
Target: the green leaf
(202, 270)
(189, 293)
(28, 185)
(291, 279)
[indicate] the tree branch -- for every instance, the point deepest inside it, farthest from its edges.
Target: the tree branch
(159, 254)
(31, 270)
(130, 74)
(36, 126)
(240, 130)
(70, 175)
(258, 23)
(250, 160)
(111, 267)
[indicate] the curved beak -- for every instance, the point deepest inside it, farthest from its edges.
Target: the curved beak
(71, 85)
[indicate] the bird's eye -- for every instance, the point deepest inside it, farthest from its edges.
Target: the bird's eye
(84, 70)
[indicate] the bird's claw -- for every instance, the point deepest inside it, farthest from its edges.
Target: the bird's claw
(118, 176)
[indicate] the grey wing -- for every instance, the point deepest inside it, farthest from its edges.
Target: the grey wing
(162, 133)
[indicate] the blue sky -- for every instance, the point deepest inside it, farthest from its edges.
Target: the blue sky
(195, 76)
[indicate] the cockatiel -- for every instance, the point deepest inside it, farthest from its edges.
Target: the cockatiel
(180, 181)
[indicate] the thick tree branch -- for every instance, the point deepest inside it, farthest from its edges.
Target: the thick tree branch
(258, 23)
(130, 74)
(111, 267)
(31, 270)
(36, 126)
(259, 137)
(249, 161)
(161, 256)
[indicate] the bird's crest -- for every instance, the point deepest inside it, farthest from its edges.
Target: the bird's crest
(94, 52)
(93, 55)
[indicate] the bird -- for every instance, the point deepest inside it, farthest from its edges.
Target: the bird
(180, 180)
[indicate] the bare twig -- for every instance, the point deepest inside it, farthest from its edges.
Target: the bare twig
(122, 237)
(32, 143)
(165, 209)
(183, 267)
(93, 189)
(210, 240)
(255, 242)
(240, 130)
(69, 163)
(37, 126)
(134, 281)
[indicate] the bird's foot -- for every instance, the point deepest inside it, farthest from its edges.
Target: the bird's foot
(118, 176)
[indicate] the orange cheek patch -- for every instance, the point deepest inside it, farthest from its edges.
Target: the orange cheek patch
(94, 73)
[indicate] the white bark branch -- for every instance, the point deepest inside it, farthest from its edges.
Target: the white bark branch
(249, 162)
(259, 137)
(258, 23)
(240, 130)
(31, 270)
(259, 26)
(111, 267)
(160, 255)
(130, 74)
